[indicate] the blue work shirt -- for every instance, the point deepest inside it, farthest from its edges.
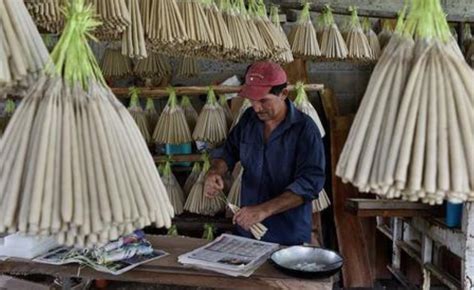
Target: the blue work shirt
(291, 160)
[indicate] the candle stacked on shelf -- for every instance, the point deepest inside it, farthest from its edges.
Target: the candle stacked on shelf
(412, 136)
(75, 164)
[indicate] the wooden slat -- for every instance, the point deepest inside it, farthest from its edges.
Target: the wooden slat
(402, 278)
(367, 12)
(443, 277)
(384, 229)
(389, 208)
(355, 236)
(196, 91)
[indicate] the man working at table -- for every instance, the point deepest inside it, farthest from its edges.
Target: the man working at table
(282, 154)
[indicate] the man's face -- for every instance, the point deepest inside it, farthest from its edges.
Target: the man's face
(269, 106)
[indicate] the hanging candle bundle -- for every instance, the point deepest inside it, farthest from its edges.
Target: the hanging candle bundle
(412, 136)
(303, 104)
(114, 15)
(114, 64)
(172, 127)
(223, 43)
(302, 37)
(47, 14)
(151, 115)
(75, 165)
(188, 67)
(226, 112)
(175, 192)
(333, 45)
(210, 126)
(137, 113)
(245, 105)
(357, 43)
(196, 25)
(238, 30)
(154, 66)
(189, 112)
(372, 37)
(192, 178)
(385, 34)
(133, 39)
(286, 56)
(7, 114)
(167, 32)
(23, 54)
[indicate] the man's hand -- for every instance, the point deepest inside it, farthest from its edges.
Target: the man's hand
(214, 184)
(250, 215)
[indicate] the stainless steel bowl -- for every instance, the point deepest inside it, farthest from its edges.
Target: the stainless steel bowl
(307, 262)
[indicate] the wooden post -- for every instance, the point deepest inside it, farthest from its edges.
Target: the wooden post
(468, 230)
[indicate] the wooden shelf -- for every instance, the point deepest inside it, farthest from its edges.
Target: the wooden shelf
(193, 222)
(362, 207)
(161, 92)
(179, 158)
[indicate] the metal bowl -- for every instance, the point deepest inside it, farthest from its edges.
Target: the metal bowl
(307, 262)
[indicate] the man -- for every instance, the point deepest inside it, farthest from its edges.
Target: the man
(282, 154)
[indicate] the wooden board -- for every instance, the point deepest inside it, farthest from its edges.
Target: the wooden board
(168, 271)
(388, 208)
(355, 236)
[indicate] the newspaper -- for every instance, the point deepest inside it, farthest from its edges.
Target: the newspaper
(230, 255)
(68, 255)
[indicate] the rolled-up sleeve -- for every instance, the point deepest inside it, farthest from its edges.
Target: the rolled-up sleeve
(310, 164)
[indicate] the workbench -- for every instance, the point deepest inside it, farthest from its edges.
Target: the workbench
(168, 271)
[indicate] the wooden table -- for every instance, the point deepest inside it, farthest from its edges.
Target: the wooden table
(168, 271)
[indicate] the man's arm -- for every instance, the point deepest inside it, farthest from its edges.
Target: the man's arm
(251, 215)
(214, 183)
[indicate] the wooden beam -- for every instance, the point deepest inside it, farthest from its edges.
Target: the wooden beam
(443, 277)
(161, 92)
(366, 12)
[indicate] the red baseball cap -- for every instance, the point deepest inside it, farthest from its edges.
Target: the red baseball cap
(260, 78)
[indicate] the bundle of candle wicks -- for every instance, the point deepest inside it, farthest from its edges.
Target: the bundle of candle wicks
(175, 192)
(172, 127)
(151, 115)
(133, 39)
(189, 112)
(223, 43)
(211, 127)
(23, 54)
(372, 38)
(302, 37)
(188, 67)
(286, 56)
(114, 64)
(412, 136)
(197, 26)
(74, 164)
(192, 178)
(333, 45)
(197, 202)
(154, 66)
(166, 31)
(137, 113)
(357, 42)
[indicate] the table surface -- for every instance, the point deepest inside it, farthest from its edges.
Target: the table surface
(168, 271)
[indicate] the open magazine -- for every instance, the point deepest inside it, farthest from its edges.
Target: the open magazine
(230, 255)
(115, 257)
